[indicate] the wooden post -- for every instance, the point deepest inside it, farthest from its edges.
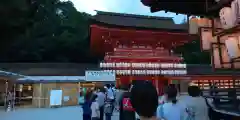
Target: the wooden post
(79, 87)
(6, 95)
(14, 95)
(40, 96)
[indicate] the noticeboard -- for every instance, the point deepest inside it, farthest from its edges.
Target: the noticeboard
(100, 76)
(56, 97)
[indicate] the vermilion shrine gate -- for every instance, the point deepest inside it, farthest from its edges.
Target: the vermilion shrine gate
(140, 48)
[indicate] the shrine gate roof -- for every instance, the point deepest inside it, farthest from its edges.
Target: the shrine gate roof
(138, 21)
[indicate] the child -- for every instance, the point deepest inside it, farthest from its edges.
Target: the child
(95, 108)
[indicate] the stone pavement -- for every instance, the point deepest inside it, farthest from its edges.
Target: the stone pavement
(64, 113)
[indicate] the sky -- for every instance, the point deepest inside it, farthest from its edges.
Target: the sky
(122, 6)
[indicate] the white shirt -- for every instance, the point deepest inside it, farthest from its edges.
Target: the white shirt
(95, 109)
(110, 94)
(137, 116)
(199, 106)
(101, 98)
(172, 111)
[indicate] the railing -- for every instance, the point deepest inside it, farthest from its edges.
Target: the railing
(224, 103)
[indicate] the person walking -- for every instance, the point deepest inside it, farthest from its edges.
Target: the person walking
(126, 111)
(144, 101)
(95, 108)
(109, 106)
(197, 104)
(9, 106)
(172, 109)
(87, 112)
(100, 99)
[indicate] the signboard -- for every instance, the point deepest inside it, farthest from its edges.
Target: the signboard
(96, 76)
(66, 98)
(56, 97)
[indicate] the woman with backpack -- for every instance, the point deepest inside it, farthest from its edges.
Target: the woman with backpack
(172, 109)
(126, 111)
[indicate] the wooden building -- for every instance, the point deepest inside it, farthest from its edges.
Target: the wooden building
(129, 39)
(126, 39)
(33, 90)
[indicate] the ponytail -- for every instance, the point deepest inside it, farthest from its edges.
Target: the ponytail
(174, 101)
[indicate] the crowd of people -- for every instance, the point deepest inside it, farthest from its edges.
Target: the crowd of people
(140, 101)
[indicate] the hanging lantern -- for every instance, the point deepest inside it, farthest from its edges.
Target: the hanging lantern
(226, 17)
(133, 72)
(104, 65)
(206, 38)
(224, 57)
(110, 65)
(149, 65)
(126, 64)
(117, 72)
(232, 45)
(128, 72)
(193, 25)
(236, 11)
(117, 65)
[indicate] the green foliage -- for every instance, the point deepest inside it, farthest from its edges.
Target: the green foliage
(43, 31)
(54, 31)
(192, 53)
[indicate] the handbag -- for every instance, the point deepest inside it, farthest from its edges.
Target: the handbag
(108, 108)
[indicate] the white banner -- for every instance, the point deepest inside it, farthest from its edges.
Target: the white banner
(100, 76)
(56, 97)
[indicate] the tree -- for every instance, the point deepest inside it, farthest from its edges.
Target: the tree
(13, 22)
(192, 53)
(54, 31)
